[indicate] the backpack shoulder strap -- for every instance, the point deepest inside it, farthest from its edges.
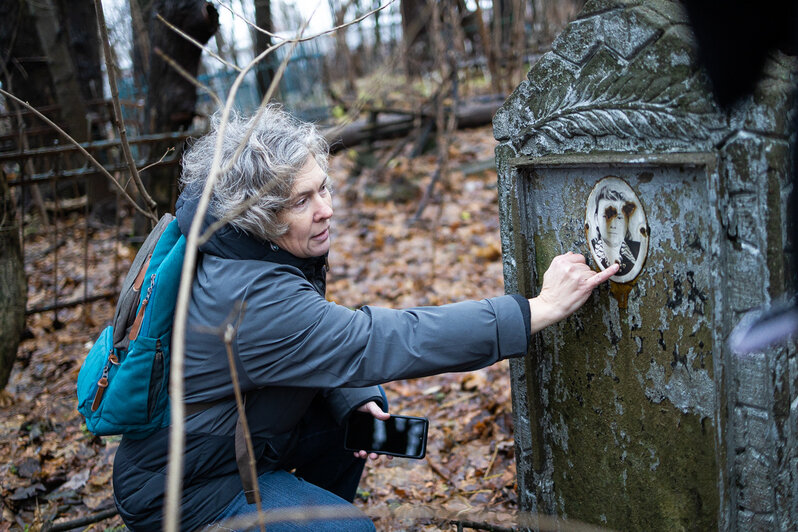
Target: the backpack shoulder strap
(129, 295)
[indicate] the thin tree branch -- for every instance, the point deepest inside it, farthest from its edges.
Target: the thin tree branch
(183, 72)
(196, 43)
(262, 107)
(267, 186)
(311, 37)
(169, 150)
(218, 224)
(80, 522)
(142, 36)
(110, 66)
(82, 150)
(444, 127)
(473, 517)
(177, 427)
(229, 334)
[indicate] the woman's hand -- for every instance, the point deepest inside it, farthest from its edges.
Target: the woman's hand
(567, 284)
(374, 409)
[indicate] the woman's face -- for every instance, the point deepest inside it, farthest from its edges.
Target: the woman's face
(615, 216)
(308, 214)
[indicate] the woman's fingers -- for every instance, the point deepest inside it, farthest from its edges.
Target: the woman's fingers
(605, 275)
(573, 257)
(567, 284)
(363, 455)
(374, 409)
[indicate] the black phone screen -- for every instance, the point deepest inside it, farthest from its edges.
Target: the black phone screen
(398, 436)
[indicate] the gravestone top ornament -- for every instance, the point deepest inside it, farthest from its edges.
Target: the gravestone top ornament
(616, 228)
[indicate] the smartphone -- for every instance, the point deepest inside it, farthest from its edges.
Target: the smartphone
(398, 436)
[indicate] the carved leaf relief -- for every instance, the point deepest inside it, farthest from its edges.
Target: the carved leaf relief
(623, 107)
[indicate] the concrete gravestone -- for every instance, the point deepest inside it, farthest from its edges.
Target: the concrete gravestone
(633, 413)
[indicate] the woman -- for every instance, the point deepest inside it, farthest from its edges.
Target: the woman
(303, 362)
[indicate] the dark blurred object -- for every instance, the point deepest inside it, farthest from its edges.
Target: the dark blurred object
(734, 38)
(762, 328)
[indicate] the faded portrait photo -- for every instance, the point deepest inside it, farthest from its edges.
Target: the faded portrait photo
(616, 228)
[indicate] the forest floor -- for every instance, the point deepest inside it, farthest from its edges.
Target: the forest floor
(54, 470)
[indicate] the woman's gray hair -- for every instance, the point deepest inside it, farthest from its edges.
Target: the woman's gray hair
(275, 151)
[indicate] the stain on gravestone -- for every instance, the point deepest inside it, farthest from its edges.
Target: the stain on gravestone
(633, 413)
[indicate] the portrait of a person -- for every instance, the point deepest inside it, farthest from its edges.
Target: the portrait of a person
(616, 227)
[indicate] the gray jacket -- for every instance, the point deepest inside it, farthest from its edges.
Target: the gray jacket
(290, 345)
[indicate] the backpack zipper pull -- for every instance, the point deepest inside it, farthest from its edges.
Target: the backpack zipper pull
(102, 384)
(136, 327)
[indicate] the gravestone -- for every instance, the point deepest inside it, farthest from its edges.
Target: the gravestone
(634, 413)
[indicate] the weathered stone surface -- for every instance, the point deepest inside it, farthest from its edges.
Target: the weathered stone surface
(623, 392)
(742, 295)
(755, 482)
(752, 378)
(629, 31)
(752, 522)
(636, 416)
(579, 40)
(752, 428)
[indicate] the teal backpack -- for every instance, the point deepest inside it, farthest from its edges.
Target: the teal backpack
(123, 383)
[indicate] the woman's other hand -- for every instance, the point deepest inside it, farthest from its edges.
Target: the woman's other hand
(567, 284)
(374, 409)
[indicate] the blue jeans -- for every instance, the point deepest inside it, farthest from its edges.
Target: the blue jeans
(324, 475)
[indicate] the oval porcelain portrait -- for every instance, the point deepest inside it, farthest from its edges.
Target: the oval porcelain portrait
(616, 228)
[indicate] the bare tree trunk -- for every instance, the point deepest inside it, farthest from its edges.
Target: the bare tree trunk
(415, 28)
(13, 287)
(377, 33)
(171, 99)
(80, 21)
(518, 44)
(22, 56)
(489, 51)
(48, 61)
(23, 74)
(342, 52)
(508, 42)
(265, 69)
(139, 13)
(64, 76)
(50, 55)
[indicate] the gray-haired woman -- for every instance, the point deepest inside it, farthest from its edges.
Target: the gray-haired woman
(304, 363)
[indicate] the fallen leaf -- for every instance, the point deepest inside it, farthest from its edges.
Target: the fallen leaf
(28, 468)
(76, 481)
(20, 494)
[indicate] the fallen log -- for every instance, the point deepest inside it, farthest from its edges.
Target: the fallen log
(391, 124)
